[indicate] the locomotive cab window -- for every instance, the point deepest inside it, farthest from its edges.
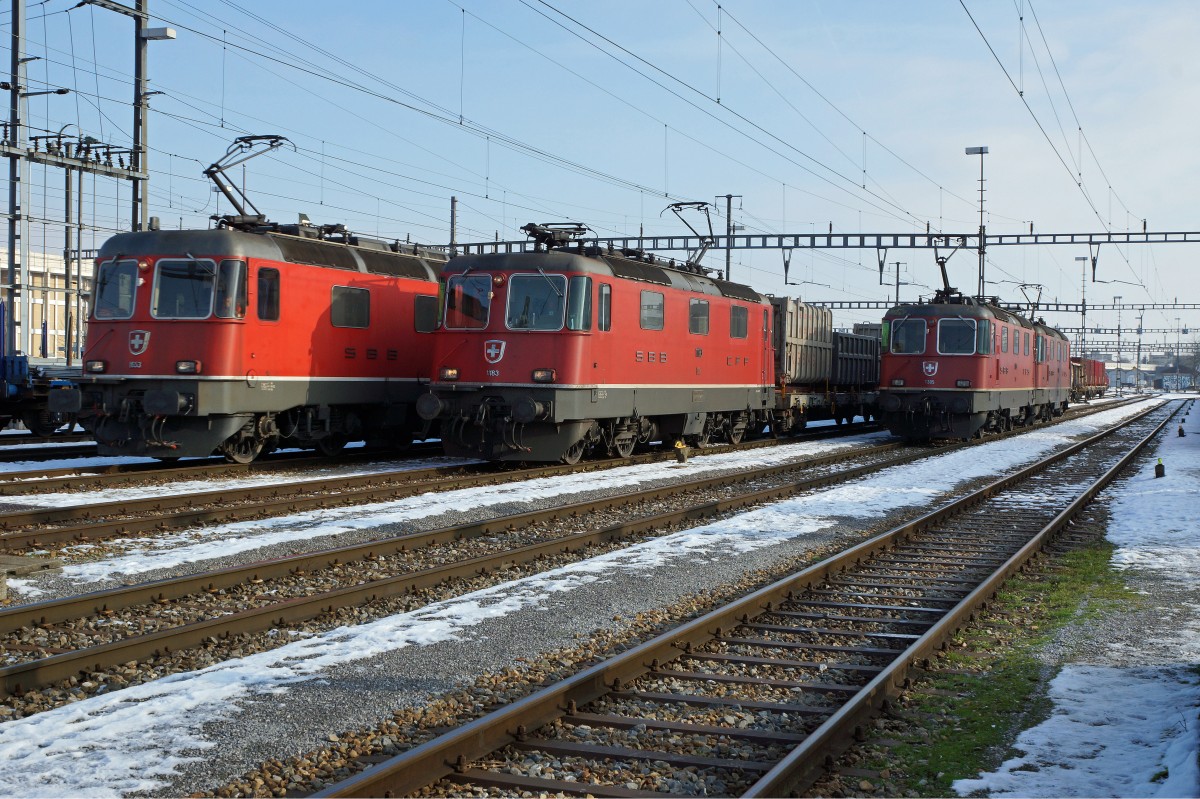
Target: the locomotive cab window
(268, 295)
(183, 289)
(739, 321)
(116, 288)
(536, 302)
(468, 302)
(1039, 349)
(698, 317)
(231, 290)
(350, 307)
(653, 310)
(579, 304)
(1004, 339)
(908, 336)
(956, 337)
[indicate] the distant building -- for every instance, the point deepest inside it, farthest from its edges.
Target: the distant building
(48, 303)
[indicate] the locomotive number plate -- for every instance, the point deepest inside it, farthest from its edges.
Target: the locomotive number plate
(267, 385)
(135, 364)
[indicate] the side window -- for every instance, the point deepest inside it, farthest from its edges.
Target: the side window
(698, 317)
(425, 313)
(983, 337)
(1004, 340)
(1026, 343)
(579, 304)
(653, 312)
(350, 307)
(739, 321)
(231, 290)
(268, 295)
(604, 320)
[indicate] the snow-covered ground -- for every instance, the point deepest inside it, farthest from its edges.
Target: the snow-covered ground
(142, 739)
(1125, 720)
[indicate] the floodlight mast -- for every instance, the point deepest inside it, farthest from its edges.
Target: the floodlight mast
(246, 147)
(980, 151)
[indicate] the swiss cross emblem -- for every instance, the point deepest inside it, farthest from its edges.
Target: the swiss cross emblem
(493, 350)
(929, 367)
(139, 340)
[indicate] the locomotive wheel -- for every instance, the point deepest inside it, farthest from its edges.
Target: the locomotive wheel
(574, 453)
(624, 448)
(735, 434)
(242, 449)
(42, 422)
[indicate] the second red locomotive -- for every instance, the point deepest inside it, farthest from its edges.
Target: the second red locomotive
(549, 355)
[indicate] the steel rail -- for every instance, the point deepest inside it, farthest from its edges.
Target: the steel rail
(410, 771)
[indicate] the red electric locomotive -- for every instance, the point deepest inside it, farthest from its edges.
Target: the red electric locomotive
(241, 340)
(546, 355)
(956, 367)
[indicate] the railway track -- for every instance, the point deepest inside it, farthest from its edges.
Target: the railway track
(53, 640)
(27, 447)
(44, 527)
(92, 477)
(86, 477)
(36, 528)
(755, 697)
(115, 626)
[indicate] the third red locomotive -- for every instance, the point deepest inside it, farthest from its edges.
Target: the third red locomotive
(957, 367)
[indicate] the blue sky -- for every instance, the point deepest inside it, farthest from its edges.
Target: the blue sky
(607, 126)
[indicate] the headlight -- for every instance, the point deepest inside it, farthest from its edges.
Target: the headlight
(897, 381)
(95, 366)
(543, 375)
(963, 383)
(448, 373)
(187, 367)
